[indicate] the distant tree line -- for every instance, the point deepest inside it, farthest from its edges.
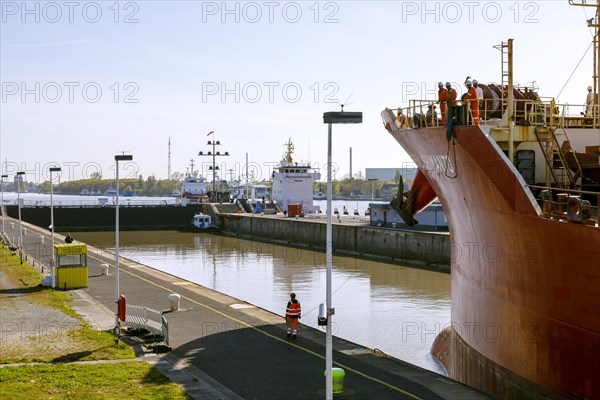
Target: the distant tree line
(148, 187)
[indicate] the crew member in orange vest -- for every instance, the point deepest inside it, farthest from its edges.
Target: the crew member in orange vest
(292, 315)
(442, 95)
(473, 102)
(450, 101)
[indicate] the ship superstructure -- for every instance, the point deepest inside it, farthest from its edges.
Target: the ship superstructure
(293, 183)
(193, 187)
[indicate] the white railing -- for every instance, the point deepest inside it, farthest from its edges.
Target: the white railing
(91, 203)
(148, 319)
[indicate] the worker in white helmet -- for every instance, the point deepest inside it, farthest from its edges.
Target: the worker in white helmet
(479, 92)
(589, 103)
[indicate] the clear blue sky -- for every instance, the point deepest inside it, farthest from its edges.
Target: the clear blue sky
(83, 82)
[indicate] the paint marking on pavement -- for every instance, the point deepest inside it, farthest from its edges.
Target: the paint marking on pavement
(241, 306)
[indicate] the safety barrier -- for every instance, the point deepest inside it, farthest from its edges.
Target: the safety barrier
(144, 317)
(148, 319)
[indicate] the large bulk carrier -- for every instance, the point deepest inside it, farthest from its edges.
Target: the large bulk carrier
(520, 192)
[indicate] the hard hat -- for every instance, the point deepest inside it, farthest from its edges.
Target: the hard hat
(448, 84)
(475, 82)
(440, 84)
(468, 82)
(589, 88)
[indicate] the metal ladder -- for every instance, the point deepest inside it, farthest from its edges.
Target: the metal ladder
(546, 134)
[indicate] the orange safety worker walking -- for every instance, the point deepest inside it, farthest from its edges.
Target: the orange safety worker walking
(442, 96)
(292, 315)
(473, 102)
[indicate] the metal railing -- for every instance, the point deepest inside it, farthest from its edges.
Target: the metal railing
(538, 111)
(150, 320)
(145, 318)
(558, 209)
(91, 203)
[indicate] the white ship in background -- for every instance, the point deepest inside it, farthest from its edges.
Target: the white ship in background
(293, 184)
(193, 187)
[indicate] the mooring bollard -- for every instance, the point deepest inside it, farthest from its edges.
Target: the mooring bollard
(337, 376)
(174, 299)
(104, 268)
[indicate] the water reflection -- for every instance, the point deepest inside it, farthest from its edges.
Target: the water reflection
(396, 309)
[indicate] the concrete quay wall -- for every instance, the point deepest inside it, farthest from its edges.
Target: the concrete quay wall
(429, 249)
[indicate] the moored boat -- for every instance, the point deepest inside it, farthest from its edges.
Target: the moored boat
(194, 187)
(293, 184)
(525, 278)
(201, 221)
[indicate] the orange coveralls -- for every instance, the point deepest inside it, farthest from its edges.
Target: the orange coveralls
(292, 315)
(473, 104)
(442, 95)
(451, 103)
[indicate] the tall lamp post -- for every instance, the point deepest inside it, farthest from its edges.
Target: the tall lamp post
(53, 169)
(214, 154)
(372, 188)
(19, 175)
(118, 157)
(331, 118)
(2, 201)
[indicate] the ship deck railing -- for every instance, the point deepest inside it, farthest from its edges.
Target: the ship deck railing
(538, 112)
(555, 204)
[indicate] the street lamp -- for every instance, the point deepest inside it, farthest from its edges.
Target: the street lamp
(19, 174)
(52, 169)
(2, 201)
(372, 188)
(331, 118)
(214, 154)
(118, 157)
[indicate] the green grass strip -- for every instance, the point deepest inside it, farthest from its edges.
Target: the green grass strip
(122, 380)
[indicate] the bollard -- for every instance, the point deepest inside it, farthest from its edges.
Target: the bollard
(42, 239)
(174, 299)
(104, 268)
(24, 231)
(337, 376)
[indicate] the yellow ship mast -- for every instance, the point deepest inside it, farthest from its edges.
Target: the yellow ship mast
(593, 23)
(290, 150)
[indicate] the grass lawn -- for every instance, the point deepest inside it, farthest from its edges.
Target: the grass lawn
(121, 380)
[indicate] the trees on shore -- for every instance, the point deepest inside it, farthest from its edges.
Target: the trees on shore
(148, 187)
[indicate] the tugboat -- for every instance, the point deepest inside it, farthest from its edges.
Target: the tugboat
(201, 221)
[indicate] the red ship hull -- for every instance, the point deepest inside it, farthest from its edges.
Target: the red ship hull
(525, 289)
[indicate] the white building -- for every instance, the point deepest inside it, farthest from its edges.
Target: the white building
(293, 183)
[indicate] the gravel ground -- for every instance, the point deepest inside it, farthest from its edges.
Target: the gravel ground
(28, 329)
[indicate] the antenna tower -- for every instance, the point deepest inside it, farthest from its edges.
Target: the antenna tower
(169, 166)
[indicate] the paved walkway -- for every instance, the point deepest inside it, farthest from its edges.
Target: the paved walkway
(226, 349)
